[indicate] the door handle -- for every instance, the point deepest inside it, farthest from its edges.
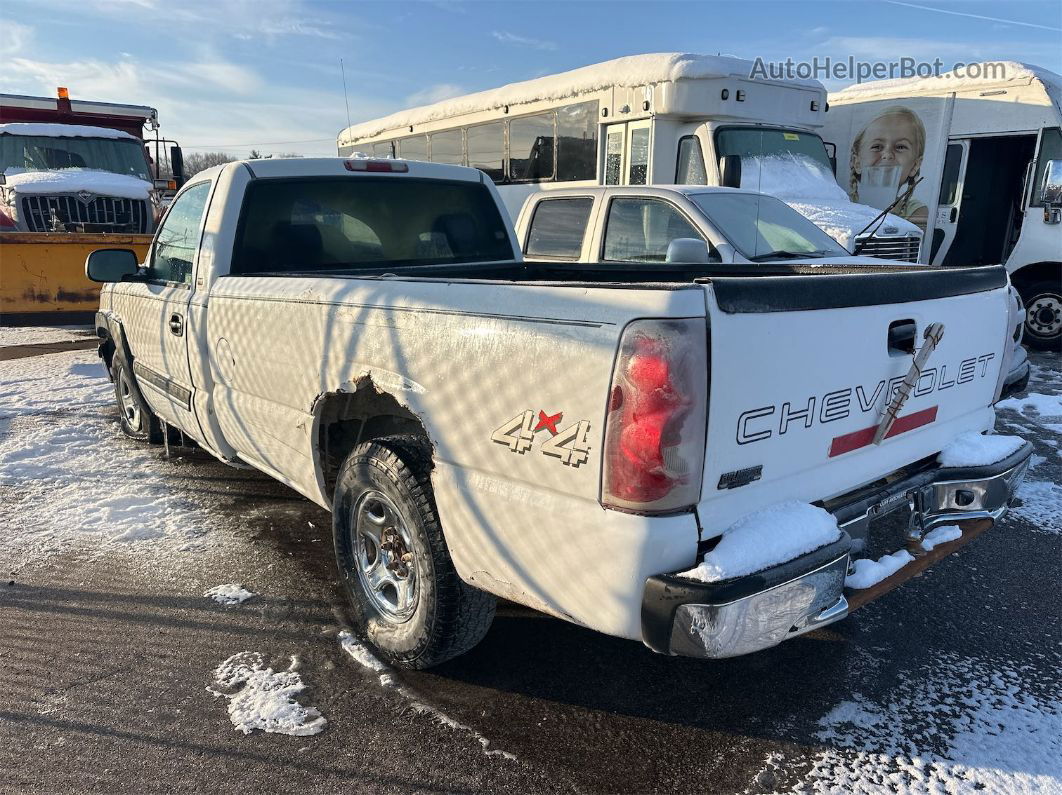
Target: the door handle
(954, 214)
(176, 324)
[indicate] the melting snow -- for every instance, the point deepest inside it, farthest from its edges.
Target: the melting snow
(871, 572)
(955, 725)
(941, 535)
(972, 449)
(1043, 405)
(1041, 505)
(766, 538)
(73, 180)
(263, 698)
(229, 594)
(63, 131)
(11, 335)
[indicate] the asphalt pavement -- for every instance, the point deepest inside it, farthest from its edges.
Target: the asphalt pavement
(106, 658)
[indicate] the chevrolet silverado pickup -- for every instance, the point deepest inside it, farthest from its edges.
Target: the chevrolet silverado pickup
(686, 454)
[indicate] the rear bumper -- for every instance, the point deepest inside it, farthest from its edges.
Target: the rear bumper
(733, 617)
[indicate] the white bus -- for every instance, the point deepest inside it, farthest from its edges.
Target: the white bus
(981, 141)
(666, 118)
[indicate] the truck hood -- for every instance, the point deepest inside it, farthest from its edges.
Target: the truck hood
(77, 180)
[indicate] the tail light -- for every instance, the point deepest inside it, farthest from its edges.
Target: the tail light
(656, 423)
(378, 166)
(6, 221)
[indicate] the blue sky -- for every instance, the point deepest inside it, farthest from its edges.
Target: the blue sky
(265, 74)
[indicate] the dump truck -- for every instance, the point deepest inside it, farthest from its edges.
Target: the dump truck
(74, 176)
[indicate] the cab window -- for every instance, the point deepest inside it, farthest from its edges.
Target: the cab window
(175, 245)
(640, 230)
(558, 228)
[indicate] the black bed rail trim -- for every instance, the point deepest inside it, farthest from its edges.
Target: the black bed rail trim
(738, 295)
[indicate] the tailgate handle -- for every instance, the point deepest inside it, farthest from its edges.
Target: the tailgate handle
(902, 337)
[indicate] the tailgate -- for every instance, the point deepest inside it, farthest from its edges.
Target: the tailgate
(802, 369)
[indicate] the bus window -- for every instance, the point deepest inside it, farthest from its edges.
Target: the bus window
(577, 142)
(447, 147)
(639, 165)
(382, 149)
(531, 148)
(614, 155)
(415, 148)
(690, 169)
(486, 149)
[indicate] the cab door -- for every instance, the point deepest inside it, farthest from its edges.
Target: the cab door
(153, 311)
(949, 203)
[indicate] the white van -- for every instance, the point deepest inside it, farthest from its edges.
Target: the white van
(661, 119)
(981, 141)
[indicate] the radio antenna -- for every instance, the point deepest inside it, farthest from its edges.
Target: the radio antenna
(346, 101)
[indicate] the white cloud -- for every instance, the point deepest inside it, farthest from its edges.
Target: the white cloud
(505, 37)
(435, 93)
(14, 37)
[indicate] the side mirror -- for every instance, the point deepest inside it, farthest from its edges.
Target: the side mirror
(730, 171)
(831, 154)
(177, 165)
(1051, 192)
(688, 250)
(111, 264)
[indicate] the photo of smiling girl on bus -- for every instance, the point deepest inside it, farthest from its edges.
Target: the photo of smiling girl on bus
(886, 158)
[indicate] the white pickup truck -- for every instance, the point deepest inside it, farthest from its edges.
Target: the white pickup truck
(632, 226)
(594, 445)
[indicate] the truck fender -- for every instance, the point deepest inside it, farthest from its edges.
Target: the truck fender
(111, 332)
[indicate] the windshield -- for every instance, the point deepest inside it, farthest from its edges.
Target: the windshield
(762, 227)
(45, 153)
(764, 142)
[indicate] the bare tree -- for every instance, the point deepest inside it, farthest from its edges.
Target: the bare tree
(199, 161)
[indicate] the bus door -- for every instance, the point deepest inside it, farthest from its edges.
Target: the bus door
(627, 153)
(950, 200)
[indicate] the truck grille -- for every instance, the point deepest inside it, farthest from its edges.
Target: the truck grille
(99, 214)
(899, 248)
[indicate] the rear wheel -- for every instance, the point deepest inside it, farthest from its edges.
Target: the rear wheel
(405, 596)
(135, 417)
(1043, 315)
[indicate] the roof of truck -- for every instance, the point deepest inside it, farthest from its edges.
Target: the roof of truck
(78, 106)
(272, 167)
(629, 71)
(63, 131)
(1015, 73)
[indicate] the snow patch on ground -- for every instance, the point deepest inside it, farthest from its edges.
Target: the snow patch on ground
(361, 654)
(13, 335)
(957, 725)
(766, 538)
(69, 475)
(1041, 505)
(73, 180)
(265, 699)
(973, 449)
(1043, 405)
(871, 572)
(229, 594)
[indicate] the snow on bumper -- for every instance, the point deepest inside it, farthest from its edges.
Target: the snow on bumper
(684, 617)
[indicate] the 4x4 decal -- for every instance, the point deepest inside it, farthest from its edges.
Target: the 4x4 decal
(571, 445)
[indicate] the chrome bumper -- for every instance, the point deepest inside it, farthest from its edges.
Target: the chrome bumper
(747, 614)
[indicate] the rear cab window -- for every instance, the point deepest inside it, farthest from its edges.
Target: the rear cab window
(559, 227)
(348, 223)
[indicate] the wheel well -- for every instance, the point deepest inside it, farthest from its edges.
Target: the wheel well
(1035, 272)
(346, 419)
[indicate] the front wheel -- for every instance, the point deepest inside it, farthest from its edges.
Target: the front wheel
(136, 418)
(405, 596)
(1043, 315)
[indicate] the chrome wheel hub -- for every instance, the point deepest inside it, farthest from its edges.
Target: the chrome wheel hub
(383, 556)
(130, 408)
(1044, 315)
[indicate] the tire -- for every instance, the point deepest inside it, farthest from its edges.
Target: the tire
(405, 596)
(1043, 321)
(136, 419)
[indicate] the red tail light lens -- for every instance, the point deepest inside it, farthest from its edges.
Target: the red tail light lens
(6, 222)
(655, 431)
